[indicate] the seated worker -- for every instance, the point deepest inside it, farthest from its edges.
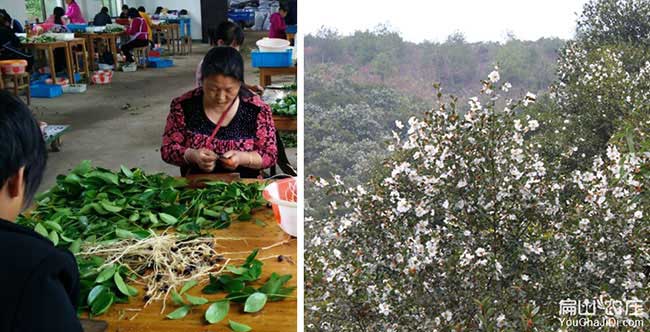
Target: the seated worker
(102, 18)
(138, 35)
(42, 281)
(125, 12)
(226, 34)
(10, 46)
(220, 126)
(278, 27)
(12, 23)
(147, 19)
(74, 12)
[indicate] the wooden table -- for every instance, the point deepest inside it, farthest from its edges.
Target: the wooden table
(287, 123)
(172, 34)
(278, 316)
(81, 42)
(110, 38)
(267, 72)
(49, 48)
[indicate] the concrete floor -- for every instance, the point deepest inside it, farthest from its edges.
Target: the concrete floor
(104, 130)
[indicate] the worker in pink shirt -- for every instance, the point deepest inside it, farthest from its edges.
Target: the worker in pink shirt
(278, 26)
(74, 12)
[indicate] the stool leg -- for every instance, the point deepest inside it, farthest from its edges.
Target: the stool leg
(29, 90)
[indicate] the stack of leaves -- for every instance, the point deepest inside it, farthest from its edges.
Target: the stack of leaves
(238, 287)
(286, 106)
(114, 28)
(94, 204)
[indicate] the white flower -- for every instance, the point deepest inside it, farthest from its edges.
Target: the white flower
(384, 309)
(462, 183)
(501, 320)
(480, 252)
(523, 258)
(399, 124)
(494, 76)
(506, 87)
(533, 124)
(337, 253)
(447, 315)
(584, 224)
(403, 205)
(529, 99)
(498, 267)
(638, 214)
(525, 277)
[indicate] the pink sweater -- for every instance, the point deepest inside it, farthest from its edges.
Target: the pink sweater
(74, 13)
(278, 27)
(138, 29)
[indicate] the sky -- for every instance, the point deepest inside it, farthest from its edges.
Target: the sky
(434, 20)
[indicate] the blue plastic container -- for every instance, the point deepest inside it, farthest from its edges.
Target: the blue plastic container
(242, 15)
(160, 63)
(46, 90)
(272, 59)
(292, 29)
(80, 27)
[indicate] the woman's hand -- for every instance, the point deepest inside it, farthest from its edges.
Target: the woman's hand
(232, 159)
(203, 158)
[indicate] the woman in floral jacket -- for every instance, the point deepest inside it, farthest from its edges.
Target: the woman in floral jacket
(220, 126)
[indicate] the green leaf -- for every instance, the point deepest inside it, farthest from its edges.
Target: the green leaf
(123, 287)
(75, 246)
(217, 311)
(236, 269)
(134, 217)
(188, 285)
(106, 274)
(195, 300)
(94, 293)
(110, 207)
(153, 218)
(168, 219)
(255, 302)
(124, 234)
(102, 302)
(54, 237)
(239, 327)
(126, 171)
(251, 256)
(177, 298)
(41, 230)
(83, 168)
(210, 213)
(54, 226)
(179, 313)
(105, 176)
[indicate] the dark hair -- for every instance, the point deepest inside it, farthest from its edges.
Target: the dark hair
(3, 21)
(225, 61)
(21, 145)
(133, 13)
(104, 10)
(158, 10)
(183, 12)
(4, 14)
(58, 13)
(284, 7)
(141, 9)
(228, 32)
(125, 7)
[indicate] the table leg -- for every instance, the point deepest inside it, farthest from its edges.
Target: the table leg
(68, 62)
(85, 52)
(50, 54)
(262, 77)
(113, 46)
(91, 49)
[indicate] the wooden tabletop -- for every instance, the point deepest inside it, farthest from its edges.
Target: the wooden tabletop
(240, 237)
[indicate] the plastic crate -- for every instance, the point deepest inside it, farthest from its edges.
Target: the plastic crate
(77, 27)
(74, 88)
(46, 90)
(160, 63)
(292, 29)
(272, 59)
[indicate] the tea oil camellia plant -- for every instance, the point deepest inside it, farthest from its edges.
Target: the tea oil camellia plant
(471, 230)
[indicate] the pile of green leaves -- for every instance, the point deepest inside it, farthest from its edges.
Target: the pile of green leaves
(41, 39)
(286, 106)
(238, 287)
(114, 28)
(95, 205)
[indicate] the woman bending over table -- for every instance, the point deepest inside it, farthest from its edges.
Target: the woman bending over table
(220, 126)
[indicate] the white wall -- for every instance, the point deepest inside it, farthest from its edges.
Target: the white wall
(17, 9)
(90, 8)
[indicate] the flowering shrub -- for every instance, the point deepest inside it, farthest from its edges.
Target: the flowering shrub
(471, 229)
